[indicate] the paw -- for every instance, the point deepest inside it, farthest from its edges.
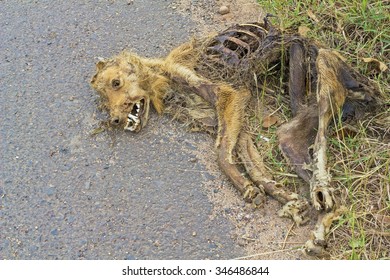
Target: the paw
(315, 250)
(322, 197)
(256, 195)
(297, 210)
(318, 236)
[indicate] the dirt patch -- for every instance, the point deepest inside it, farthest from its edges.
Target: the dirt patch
(261, 232)
(209, 18)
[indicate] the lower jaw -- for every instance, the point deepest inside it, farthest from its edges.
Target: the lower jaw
(132, 127)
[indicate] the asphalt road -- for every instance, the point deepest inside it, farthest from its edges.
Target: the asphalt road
(67, 195)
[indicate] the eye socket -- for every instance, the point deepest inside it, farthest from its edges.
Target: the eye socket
(115, 83)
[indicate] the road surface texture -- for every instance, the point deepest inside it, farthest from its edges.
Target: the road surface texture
(65, 194)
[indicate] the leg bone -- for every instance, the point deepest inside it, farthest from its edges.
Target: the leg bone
(315, 246)
(331, 95)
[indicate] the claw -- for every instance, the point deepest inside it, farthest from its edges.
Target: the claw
(259, 200)
(316, 245)
(315, 250)
(322, 198)
(255, 194)
(297, 210)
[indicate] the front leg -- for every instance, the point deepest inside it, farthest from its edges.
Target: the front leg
(246, 187)
(230, 107)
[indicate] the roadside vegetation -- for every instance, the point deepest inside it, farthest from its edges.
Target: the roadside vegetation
(359, 153)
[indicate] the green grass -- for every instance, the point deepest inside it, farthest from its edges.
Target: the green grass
(359, 162)
(358, 29)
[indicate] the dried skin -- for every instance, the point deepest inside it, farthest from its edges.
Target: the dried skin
(210, 84)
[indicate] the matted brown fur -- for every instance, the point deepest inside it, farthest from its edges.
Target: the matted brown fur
(211, 84)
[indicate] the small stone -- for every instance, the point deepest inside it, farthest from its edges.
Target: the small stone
(50, 191)
(241, 242)
(193, 160)
(223, 10)
(194, 233)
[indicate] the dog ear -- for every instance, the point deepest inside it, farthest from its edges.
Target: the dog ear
(93, 80)
(99, 66)
(101, 63)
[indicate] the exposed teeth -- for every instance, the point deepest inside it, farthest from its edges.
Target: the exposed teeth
(133, 120)
(131, 128)
(132, 117)
(132, 123)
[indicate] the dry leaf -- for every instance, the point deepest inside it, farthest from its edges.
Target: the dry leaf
(380, 66)
(97, 131)
(303, 30)
(312, 16)
(269, 121)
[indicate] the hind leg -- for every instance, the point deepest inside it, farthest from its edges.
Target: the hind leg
(330, 98)
(315, 246)
(297, 135)
(294, 206)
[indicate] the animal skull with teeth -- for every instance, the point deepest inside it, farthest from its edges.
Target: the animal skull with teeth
(133, 118)
(120, 83)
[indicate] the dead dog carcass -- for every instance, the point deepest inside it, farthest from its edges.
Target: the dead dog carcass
(211, 85)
